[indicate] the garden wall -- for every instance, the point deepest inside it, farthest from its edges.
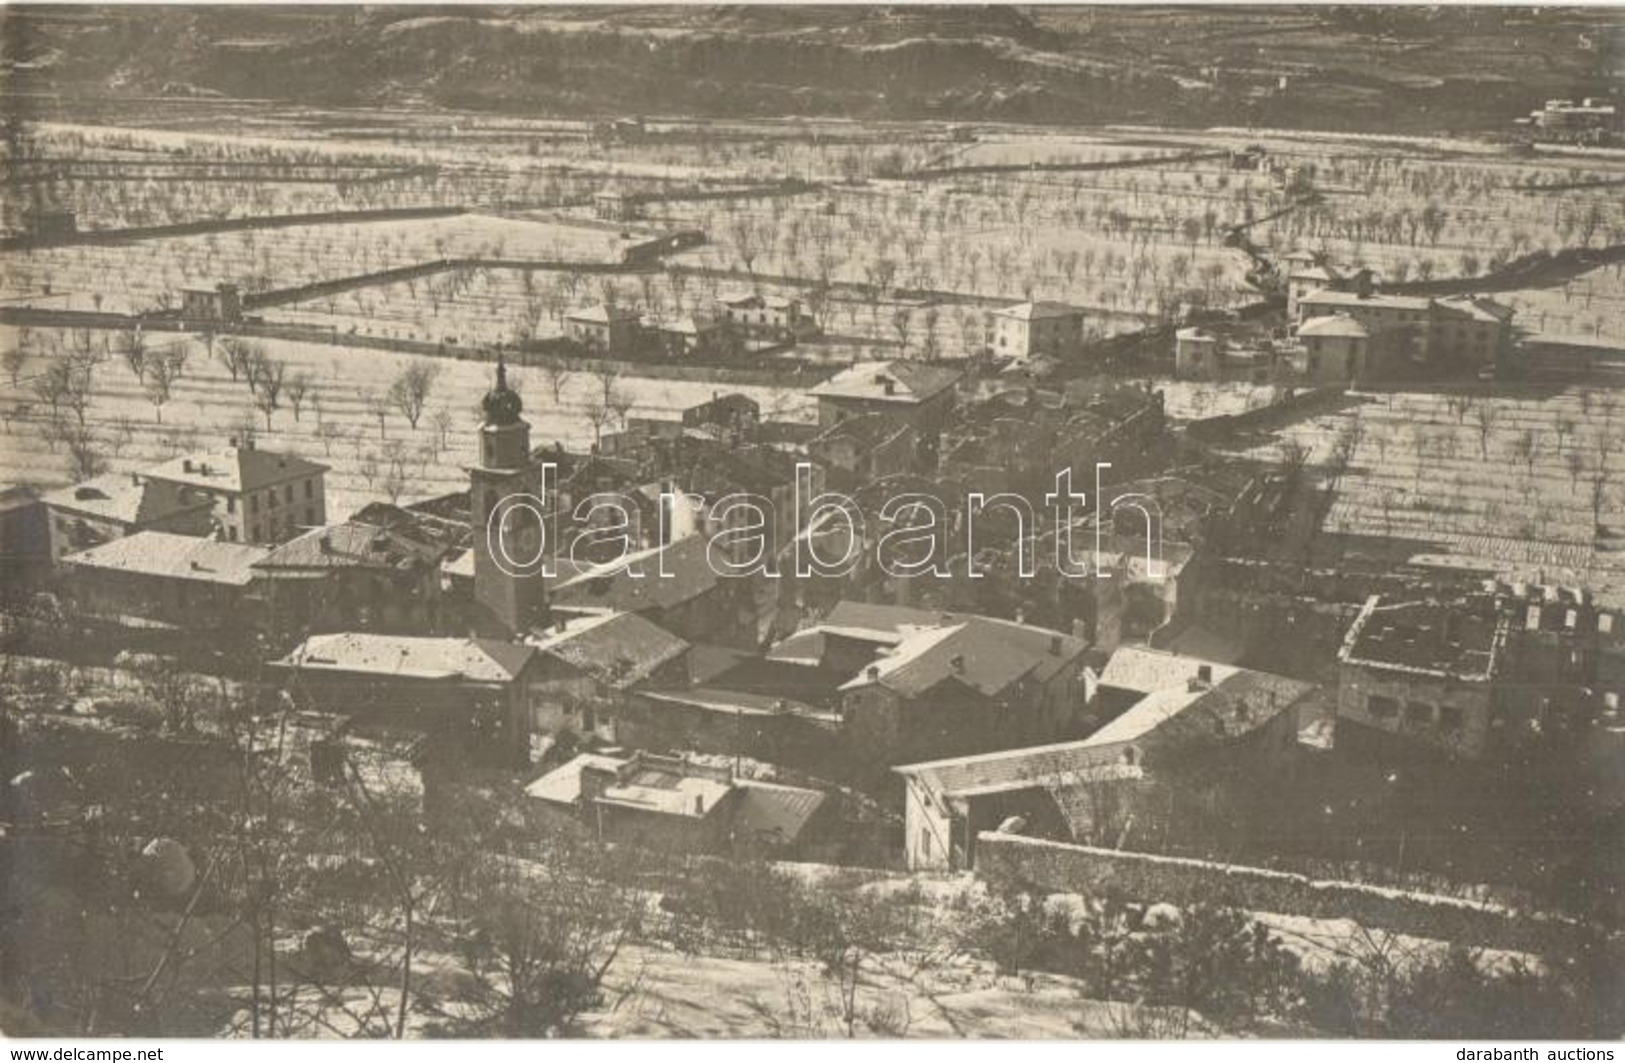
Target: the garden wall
(1064, 868)
(219, 225)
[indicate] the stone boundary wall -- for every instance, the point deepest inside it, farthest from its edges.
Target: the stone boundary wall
(1064, 868)
(220, 225)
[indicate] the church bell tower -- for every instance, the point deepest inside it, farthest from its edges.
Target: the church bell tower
(508, 584)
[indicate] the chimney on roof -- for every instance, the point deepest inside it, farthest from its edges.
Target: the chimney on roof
(135, 479)
(248, 442)
(873, 672)
(326, 542)
(1202, 680)
(957, 663)
(1055, 645)
(699, 804)
(186, 465)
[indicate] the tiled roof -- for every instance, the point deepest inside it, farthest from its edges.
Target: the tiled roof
(1037, 311)
(1479, 308)
(235, 469)
(868, 431)
(479, 660)
(1328, 297)
(733, 702)
(1014, 769)
(611, 585)
(619, 648)
(116, 496)
(1144, 669)
(984, 654)
(772, 812)
(763, 811)
(186, 557)
(602, 314)
(912, 382)
(351, 546)
(1333, 325)
(1239, 703)
(562, 785)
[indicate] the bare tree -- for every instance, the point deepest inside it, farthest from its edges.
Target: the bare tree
(237, 354)
(442, 421)
(556, 374)
(598, 414)
(13, 359)
(409, 391)
(87, 451)
(66, 385)
(1486, 416)
(377, 406)
(133, 346)
(267, 378)
(298, 387)
(163, 370)
(329, 432)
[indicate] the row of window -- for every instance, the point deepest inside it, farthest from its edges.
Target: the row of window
(1416, 713)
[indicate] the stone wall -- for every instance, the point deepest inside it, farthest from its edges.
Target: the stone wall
(1063, 868)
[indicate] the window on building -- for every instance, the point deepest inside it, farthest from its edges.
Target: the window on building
(1451, 717)
(310, 490)
(257, 534)
(253, 503)
(925, 843)
(231, 504)
(1419, 713)
(310, 515)
(231, 535)
(1381, 707)
(287, 494)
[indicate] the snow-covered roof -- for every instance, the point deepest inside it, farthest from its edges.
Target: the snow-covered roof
(413, 657)
(186, 557)
(1037, 311)
(900, 381)
(1334, 325)
(235, 469)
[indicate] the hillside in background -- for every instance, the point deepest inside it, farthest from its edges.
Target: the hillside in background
(1415, 70)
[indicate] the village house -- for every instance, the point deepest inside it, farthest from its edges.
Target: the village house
(353, 577)
(1026, 330)
(1336, 350)
(588, 665)
(864, 449)
(1115, 783)
(964, 686)
(25, 536)
(1590, 121)
(217, 305)
(1196, 354)
(470, 694)
(1019, 439)
(113, 505)
(614, 205)
(678, 805)
(696, 335)
(258, 496)
(1454, 333)
(1306, 273)
(674, 586)
(726, 721)
(604, 329)
(772, 317)
(1424, 671)
(732, 417)
(158, 578)
(906, 392)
